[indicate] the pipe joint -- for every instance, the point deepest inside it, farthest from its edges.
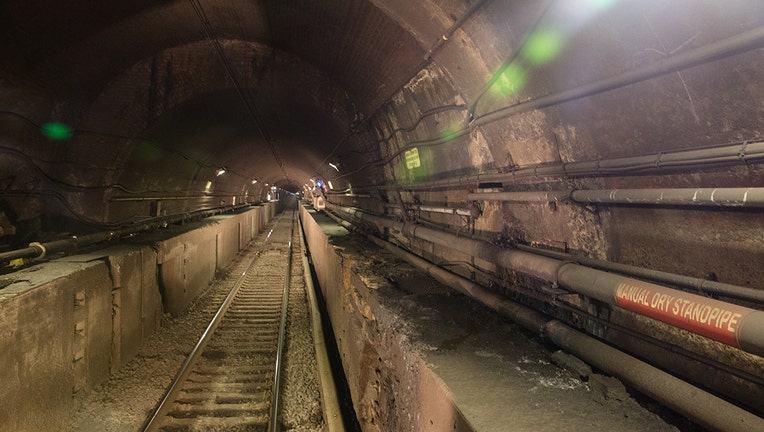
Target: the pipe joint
(40, 248)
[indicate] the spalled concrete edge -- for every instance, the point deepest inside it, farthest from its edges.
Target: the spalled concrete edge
(65, 325)
(49, 344)
(391, 384)
(329, 400)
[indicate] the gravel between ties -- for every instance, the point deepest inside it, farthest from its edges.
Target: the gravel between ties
(124, 402)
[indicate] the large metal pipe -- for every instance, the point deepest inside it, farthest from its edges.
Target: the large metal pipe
(724, 197)
(697, 284)
(700, 406)
(527, 318)
(704, 408)
(730, 46)
(742, 153)
(724, 322)
(40, 250)
(436, 209)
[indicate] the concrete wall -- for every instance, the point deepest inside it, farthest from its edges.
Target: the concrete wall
(391, 386)
(67, 324)
(52, 342)
(188, 261)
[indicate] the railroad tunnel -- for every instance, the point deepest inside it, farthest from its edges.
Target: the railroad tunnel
(587, 173)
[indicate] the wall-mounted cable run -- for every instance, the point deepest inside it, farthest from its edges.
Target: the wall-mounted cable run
(139, 139)
(426, 60)
(232, 76)
(724, 48)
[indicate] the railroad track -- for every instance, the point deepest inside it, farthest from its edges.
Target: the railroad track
(231, 379)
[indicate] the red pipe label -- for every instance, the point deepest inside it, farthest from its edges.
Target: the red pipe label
(708, 317)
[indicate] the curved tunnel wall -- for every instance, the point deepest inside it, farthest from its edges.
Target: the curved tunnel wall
(416, 104)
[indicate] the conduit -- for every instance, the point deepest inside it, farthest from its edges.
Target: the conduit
(698, 284)
(736, 44)
(734, 153)
(731, 324)
(730, 46)
(700, 406)
(39, 250)
(723, 197)
(435, 209)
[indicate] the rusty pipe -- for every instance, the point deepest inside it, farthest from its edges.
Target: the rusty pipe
(527, 318)
(708, 410)
(37, 250)
(730, 324)
(697, 284)
(702, 407)
(744, 152)
(435, 209)
(723, 197)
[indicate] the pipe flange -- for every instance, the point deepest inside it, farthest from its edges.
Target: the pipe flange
(741, 152)
(658, 160)
(556, 282)
(39, 246)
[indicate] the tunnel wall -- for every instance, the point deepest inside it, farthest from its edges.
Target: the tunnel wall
(443, 114)
(187, 262)
(391, 386)
(67, 324)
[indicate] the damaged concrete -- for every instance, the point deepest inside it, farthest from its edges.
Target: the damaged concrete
(67, 324)
(419, 357)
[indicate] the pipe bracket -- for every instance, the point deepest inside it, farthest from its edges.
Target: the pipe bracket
(741, 152)
(39, 246)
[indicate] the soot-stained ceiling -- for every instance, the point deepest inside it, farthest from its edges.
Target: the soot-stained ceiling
(107, 106)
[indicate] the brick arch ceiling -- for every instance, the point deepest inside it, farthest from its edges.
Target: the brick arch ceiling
(145, 68)
(185, 118)
(66, 61)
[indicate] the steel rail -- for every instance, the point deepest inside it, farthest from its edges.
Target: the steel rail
(164, 405)
(273, 424)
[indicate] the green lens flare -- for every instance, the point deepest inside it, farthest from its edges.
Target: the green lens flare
(601, 5)
(57, 131)
(148, 152)
(543, 46)
(510, 81)
(450, 133)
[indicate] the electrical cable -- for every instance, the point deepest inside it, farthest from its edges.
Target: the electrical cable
(426, 60)
(430, 112)
(471, 110)
(67, 206)
(730, 46)
(199, 10)
(144, 140)
(511, 59)
(75, 132)
(20, 155)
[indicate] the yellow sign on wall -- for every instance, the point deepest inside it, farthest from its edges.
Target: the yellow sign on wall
(412, 158)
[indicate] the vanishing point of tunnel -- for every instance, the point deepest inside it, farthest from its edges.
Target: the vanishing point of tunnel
(517, 214)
